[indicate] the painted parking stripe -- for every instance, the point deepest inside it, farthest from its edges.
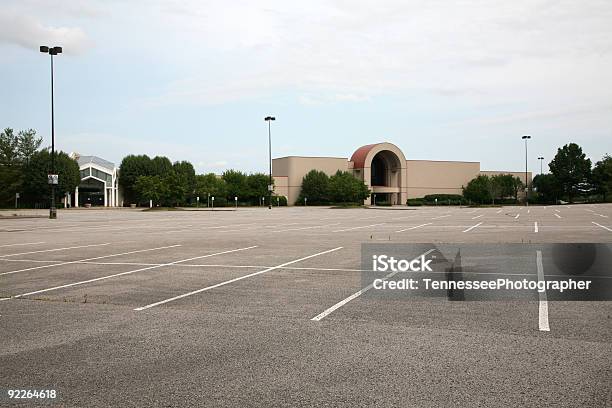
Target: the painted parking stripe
(122, 274)
(355, 295)
(356, 228)
(25, 243)
(138, 309)
(441, 216)
(305, 228)
(535, 226)
(557, 215)
(478, 216)
(543, 303)
(498, 211)
(517, 215)
(84, 260)
(472, 227)
(415, 227)
(599, 225)
(55, 249)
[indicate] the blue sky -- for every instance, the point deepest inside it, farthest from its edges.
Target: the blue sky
(193, 80)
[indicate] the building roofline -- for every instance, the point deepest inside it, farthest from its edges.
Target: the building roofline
(444, 161)
(311, 157)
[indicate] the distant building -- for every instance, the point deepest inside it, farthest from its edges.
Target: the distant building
(99, 183)
(385, 170)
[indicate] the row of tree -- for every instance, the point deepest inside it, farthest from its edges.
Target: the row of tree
(342, 188)
(24, 168)
(572, 176)
(488, 189)
(159, 180)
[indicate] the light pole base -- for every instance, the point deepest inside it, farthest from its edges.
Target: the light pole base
(52, 213)
(269, 207)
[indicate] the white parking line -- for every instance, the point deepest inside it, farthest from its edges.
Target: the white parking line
(472, 227)
(415, 227)
(543, 304)
(355, 295)
(557, 215)
(56, 249)
(84, 260)
(356, 228)
(517, 215)
(535, 226)
(478, 216)
(599, 225)
(498, 211)
(305, 228)
(138, 309)
(441, 216)
(123, 273)
(25, 243)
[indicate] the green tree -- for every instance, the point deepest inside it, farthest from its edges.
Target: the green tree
(315, 187)
(150, 188)
(209, 184)
(571, 168)
(547, 188)
(345, 188)
(257, 187)
(35, 184)
(131, 168)
(602, 177)
(496, 186)
(161, 166)
(28, 144)
(478, 190)
(235, 184)
(185, 176)
(16, 151)
(175, 189)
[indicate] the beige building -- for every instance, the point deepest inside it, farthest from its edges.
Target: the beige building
(385, 170)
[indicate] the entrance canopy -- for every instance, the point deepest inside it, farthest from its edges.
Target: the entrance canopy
(99, 182)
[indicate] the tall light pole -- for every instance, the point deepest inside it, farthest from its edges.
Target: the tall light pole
(53, 179)
(540, 159)
(525, 138)
(269, 119)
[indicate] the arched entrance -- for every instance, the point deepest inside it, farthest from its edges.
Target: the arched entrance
(382, 167)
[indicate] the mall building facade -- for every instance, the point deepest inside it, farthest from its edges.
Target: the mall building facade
(99, 183)
(385, 170)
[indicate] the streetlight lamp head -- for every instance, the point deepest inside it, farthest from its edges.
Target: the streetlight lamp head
(44, 48)
(57, 50)
(526, 137)
(267, 118)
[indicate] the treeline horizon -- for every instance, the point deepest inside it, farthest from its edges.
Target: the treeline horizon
(168, 184)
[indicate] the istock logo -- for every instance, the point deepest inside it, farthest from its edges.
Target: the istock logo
(384, 263)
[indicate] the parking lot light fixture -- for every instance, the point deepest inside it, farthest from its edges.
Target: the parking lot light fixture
(52, 179)
(525, 138)
(269, 119)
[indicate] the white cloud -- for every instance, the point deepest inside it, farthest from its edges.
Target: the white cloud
(338, 50)
(28, 32)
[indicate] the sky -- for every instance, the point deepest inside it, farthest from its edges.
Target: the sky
(193, 79)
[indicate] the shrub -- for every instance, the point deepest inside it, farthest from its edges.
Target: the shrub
(415, 202)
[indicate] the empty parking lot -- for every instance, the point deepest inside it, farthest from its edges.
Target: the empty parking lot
(261, 307)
